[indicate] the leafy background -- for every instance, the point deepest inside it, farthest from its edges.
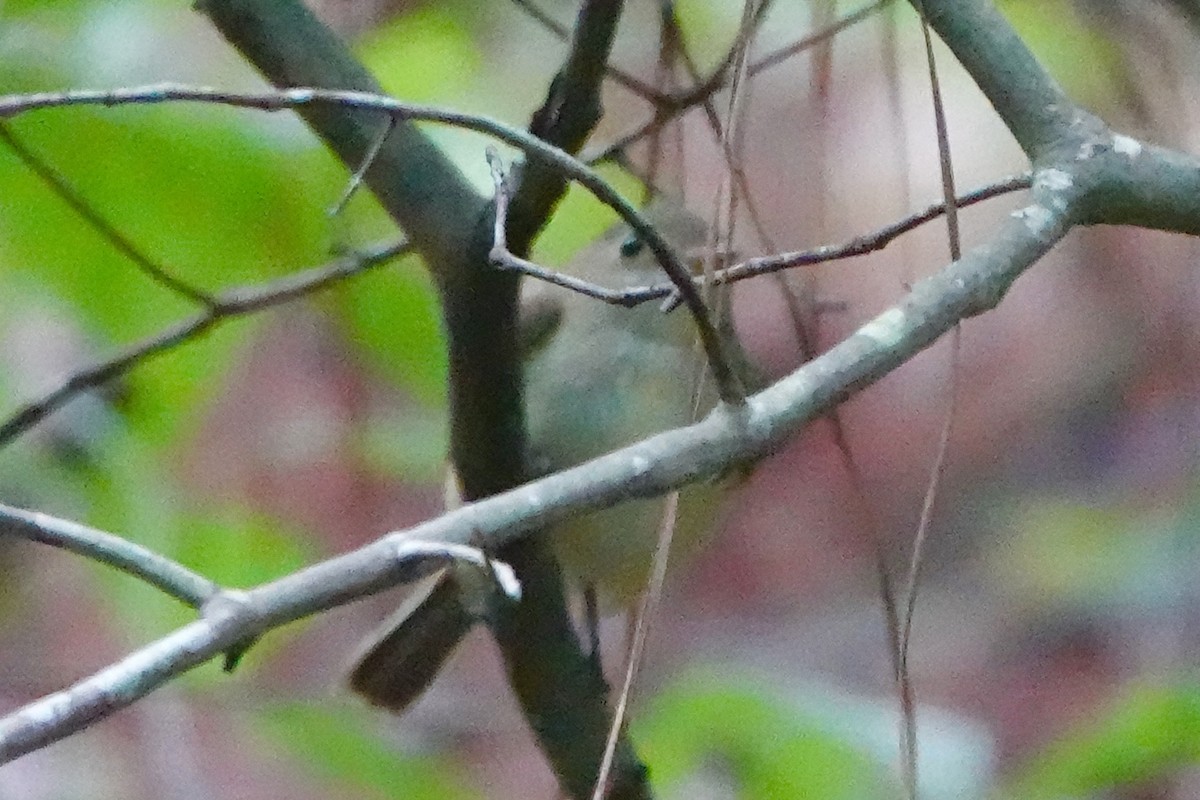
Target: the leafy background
(1056, 639)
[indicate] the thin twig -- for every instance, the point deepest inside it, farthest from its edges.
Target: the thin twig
(635, 85)
(644, 615)
(680, 103)
(728, 385)
(716, 130)
(890, 47)
(752, 14)
(61, 187)
(356, 179)
(669, 45)
(766, 265)
(160, 572)
(231, 303)
(904, 677)
(501, 257)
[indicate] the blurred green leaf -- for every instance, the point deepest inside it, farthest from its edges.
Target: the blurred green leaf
(1149, 732)
(393, 314)
(239, 548)
(769, 749)
(54, 8)
(424, 55)
(410, 443)
(205, 196)
(1063, 553)
(1090, 65)
(1066, 550)
(339, 748)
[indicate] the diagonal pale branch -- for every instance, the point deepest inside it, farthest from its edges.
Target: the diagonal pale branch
(727, 438)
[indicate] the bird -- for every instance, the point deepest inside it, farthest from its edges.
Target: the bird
(597, 377)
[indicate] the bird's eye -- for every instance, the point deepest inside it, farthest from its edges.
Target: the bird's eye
(631, 246)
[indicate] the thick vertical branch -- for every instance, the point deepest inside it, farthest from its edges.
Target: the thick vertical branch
(564, 697)
(567, 117)
(561, 690)
(432, 201)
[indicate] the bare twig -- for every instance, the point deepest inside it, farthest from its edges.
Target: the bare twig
(563, 33)
(665, 112)
(722, 233)
(904, 677)
(163, 574)
(670, 46)
(741, 181)
(890, 47)
(231, 303)
(766, 265)
(641, 632)
(727, 382)
(357, 177)
(501, 257)
(61, 187)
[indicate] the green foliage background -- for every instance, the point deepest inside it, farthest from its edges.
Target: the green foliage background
(225, 198)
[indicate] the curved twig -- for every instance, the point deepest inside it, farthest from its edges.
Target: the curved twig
(162, 573)
(231, 303)
(714, 349)
(766, 265)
